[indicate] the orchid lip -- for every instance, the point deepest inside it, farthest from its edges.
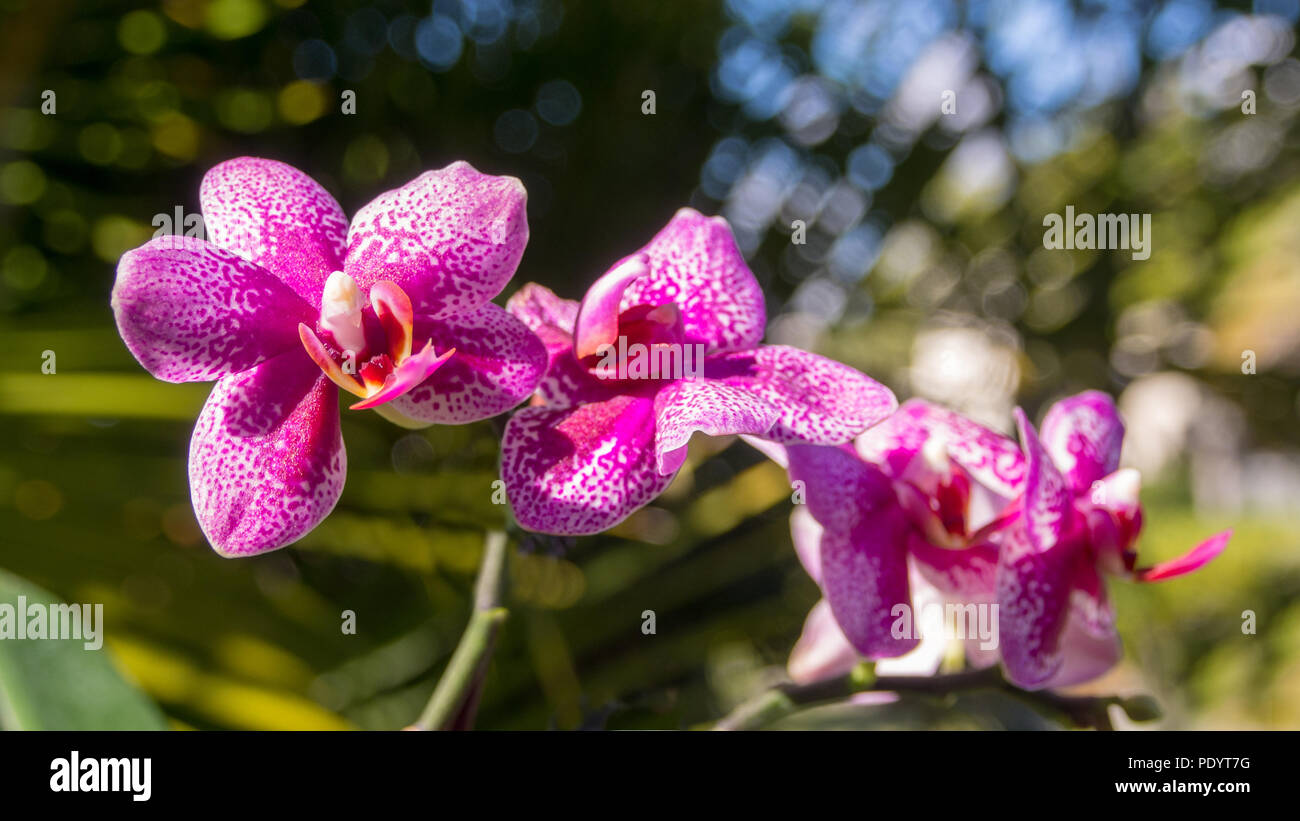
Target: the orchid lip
(372, 360)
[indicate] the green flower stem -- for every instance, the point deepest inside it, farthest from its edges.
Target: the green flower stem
(453, 700)
(780, 701)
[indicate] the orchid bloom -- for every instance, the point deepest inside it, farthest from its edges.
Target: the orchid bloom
(1078, 518)
(975, 520)
(288, 301)
(606, 434)
(909, 516)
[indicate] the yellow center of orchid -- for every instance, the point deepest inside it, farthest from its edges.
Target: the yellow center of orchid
(366, 349)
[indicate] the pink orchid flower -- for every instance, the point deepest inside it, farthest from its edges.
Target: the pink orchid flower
(1079, 517)
(909, 516)
(607, 433)
(976, 521)
(289, 300)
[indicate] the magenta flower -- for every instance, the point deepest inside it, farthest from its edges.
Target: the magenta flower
(288, 298)
(1079, 517)
(664, 344)
(908, 517)
(932, 507)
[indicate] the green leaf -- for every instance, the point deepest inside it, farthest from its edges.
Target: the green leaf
(58, 684)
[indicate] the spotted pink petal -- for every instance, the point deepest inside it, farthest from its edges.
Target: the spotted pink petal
(820, 401)
(806, 534)
(863, 546)
(1048, 500)
(597, 321)
(278, 217)
(1197, 557)
(581, 470)
(1089, 642)
(993, 460)
(1033, 594)
(710, 407)
(450, 239)
(411, 372)
(1083, 434)
(822, 651)
(546, 315)
(266, 459)
(695, 264)
(498, 363)
(192, 312)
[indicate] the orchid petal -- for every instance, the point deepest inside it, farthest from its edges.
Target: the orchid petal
(497, 365)
(546, 315)
(596, 324)
(713, 408)
(450, 239)
(566, 382)
(993, 460)
(1197, 557)
(277, 217)
(1089, 642)
(820, 401)
(822, 651)
(393, 309)
(411, 372)
(321, 356)
(694, 263)
(806, 534)
(266, 459)
(968, 574)
(1084, 435)
(1033, 592)
(1048, 501)
(575, 471)
(863, 546)
(924, 659)
(192, 312)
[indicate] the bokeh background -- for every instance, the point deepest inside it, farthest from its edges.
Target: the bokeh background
(924, 266)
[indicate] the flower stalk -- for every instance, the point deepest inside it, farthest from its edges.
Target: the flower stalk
(455, 699)
(782, 700)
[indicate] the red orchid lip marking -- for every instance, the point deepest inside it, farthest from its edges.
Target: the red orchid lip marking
(375, 364)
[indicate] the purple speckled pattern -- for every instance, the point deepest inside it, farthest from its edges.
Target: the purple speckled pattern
(695, 264)
(581, 470)
(863, 547)
(1047, 506)
(551, 317)
(1080, 518)
(278, 217)
(992, 459)
(451, 239)
(1084, 435)
(1033, 600)
(497, 364)
(712, 408)
(266, 458)
(192, 312)
(692, 281)
(819, 400)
